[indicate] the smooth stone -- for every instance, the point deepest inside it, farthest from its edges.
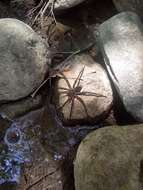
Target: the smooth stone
(110, 158)
(23, 60)
(129, 5)
(90, 108)
(19, 108)
(66, 4)
(121, 42)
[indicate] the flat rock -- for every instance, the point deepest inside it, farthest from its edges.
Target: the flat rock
(130, 5)
(65, 4)
(82, 94)
(121, 42)
(23, 61)
(110, 158)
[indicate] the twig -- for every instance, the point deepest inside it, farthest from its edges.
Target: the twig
(37, 15)
(32, 11)
(60, 68)
(41, 179)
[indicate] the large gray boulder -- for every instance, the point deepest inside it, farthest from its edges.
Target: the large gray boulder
(65, 4)
(110, 158)
(130, 5)
(121, 42)
(23, 61)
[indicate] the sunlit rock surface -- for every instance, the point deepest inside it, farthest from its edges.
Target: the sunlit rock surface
(130, 5)
(121, 42)
(23, 61)
(65, 4)
(83, 93)
(110, 158)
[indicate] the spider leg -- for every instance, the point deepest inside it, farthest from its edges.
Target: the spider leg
(68, 100)
(77, 80)
(83, 104)
(64, 77)
(61, 88)
(72, 107)
(90, 94)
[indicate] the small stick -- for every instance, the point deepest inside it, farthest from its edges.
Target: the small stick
(60, 68)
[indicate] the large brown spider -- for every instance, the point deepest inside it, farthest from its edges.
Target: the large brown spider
(74, 92)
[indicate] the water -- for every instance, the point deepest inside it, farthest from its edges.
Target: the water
(16, 153)
(23, 145)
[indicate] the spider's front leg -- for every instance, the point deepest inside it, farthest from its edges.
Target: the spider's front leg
(84, 93)
(78, 79)
(61, 107)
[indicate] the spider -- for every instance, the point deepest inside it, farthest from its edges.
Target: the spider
(74, 92)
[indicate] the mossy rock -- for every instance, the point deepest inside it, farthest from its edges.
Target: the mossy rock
(110, 158)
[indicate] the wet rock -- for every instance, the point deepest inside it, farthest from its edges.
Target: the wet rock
(65, 4)
(110, 158)
(23, 61)
(19, 108)
(83, 93)
(130, 5)
(121, 41)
